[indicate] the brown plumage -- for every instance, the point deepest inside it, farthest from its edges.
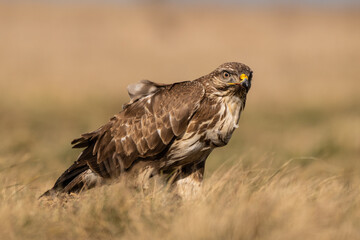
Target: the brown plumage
(163, 129)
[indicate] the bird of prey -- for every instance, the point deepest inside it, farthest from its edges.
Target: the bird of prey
(164, 129)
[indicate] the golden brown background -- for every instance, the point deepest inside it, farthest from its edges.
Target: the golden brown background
(64, 69)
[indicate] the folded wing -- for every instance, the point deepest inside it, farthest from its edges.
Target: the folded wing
(144, 129)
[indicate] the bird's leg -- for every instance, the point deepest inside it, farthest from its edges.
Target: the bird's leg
(188, 183)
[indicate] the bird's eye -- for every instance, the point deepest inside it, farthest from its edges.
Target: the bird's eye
(226, 74)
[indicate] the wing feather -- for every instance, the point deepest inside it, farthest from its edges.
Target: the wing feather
(145, 127)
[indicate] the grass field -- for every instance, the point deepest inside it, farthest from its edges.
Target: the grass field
(291, 170)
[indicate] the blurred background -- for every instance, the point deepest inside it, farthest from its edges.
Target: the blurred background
(64, 68)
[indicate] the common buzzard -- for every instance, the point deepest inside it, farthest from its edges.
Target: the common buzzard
(165, 129)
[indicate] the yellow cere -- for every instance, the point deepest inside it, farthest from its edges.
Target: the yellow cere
(243, 77)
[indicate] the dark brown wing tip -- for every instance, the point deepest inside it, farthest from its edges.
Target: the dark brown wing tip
(79, 143)
(84, 140)
(76, 140)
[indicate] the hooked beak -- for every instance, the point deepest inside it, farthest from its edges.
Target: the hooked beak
(244, 82)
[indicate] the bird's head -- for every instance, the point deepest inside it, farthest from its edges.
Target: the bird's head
(232, 77)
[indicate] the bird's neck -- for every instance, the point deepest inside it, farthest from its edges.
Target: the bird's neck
(234, 105)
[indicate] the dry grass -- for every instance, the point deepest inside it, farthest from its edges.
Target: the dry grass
(291, 171)
(239, 203)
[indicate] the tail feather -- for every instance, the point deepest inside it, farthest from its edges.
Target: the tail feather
(75, 179)
(66, 178)
(69, 175)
